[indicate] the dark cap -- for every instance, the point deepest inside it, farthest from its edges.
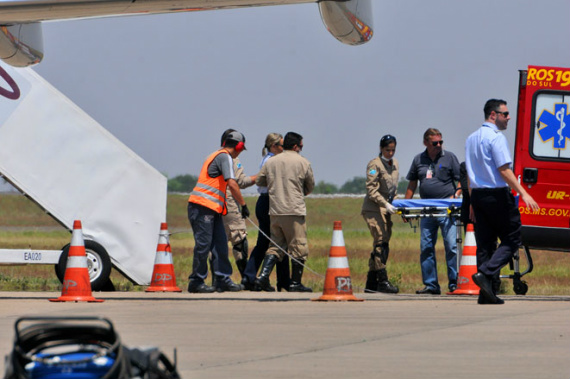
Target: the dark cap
(235, 138)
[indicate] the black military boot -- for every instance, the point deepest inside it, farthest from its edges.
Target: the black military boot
(384, 252)
(384, 285)
(242, 248)
(262, 281)
(296, 275)
(283, 274)
(371, 282)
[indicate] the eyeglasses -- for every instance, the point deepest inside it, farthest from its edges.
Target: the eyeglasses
(278, 145)
(435, 143)
(300, 147)
(505, 114)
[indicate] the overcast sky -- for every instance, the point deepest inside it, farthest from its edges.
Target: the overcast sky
(169, 85)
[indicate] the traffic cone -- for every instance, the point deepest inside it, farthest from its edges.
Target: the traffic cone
(468, 266)
(163, 278)
(76, 281)
(338, 284)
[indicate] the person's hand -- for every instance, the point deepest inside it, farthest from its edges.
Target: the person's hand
(244, 211)
(529, 201)
(391, 209)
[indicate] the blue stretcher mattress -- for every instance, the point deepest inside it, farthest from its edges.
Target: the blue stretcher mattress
(420, 203)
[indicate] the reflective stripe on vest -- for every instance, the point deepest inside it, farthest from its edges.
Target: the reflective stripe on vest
(210, 192)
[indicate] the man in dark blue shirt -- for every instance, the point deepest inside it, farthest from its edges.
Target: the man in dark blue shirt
(437, 170)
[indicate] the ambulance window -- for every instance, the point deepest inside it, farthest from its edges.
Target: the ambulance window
(551, 126)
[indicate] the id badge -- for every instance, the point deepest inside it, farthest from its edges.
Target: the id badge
(429, 174)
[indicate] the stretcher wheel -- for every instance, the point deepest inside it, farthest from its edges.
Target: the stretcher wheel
(520, 288)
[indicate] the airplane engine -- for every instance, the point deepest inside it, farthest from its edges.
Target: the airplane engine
(21, 45)
(348, 21)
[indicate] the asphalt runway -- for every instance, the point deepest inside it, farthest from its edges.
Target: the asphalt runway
(282, 335)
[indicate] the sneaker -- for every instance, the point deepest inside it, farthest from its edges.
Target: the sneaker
(229, 286)
(452, 287)
(200, 288)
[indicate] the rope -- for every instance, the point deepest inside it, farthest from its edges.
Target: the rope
(290, 256)
(283, 250)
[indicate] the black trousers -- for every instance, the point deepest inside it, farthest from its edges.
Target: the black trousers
(496, 216)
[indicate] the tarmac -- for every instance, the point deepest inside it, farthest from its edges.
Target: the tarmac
(286, 335)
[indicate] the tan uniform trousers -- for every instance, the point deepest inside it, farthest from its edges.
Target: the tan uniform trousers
(290, 234)
(236, 231)
(380, 225)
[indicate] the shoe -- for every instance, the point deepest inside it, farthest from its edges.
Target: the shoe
(229, 286)
(384, 284)
(262, 284)
(452, 287)
(387, 287)
(484, 284)
(247, 286)
(483, 300)
(298, 287)
(428, 291)
(200, 288)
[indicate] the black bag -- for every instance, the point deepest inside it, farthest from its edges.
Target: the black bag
(80, 348)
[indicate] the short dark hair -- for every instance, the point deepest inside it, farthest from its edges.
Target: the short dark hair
(291, 139)
(387, 139)
(492, 105)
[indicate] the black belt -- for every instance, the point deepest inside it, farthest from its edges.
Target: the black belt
(491, 190)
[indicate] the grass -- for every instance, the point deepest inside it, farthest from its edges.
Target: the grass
(23, 224)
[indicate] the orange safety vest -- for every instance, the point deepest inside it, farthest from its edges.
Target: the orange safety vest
(210, 192)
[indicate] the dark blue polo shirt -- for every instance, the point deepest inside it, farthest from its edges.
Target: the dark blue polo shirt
(444, 170)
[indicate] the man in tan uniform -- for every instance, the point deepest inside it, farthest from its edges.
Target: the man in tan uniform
(234, 223)
(288, 178)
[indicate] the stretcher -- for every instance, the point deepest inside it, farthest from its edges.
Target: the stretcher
(412, 210)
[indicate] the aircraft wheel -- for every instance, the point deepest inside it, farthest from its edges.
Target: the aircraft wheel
(98, 265)
(520, 288)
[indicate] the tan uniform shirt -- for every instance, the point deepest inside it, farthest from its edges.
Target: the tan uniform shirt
(243, 181)
(288, 177)
(381, 184)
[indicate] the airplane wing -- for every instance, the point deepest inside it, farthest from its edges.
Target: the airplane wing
(21, 41)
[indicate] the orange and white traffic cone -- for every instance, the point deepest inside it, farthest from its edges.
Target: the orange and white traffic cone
(468, 266)
(163, 278)
(76, 281)
(338, 284)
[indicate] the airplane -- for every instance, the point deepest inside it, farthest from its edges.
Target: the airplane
(21, 40)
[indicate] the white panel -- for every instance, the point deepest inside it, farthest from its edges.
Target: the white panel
(75, 169)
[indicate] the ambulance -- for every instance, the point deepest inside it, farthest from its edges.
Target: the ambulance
(542, 159)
